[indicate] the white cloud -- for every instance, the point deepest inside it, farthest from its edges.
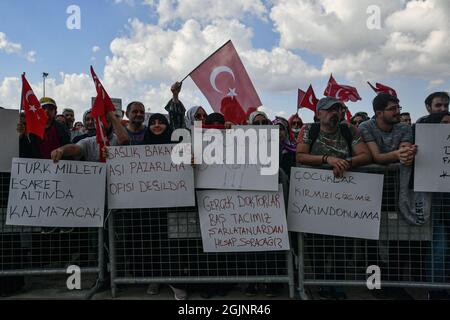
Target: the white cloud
(413, 40)
(206, 10)
(8, 46)
(95, 49)
(15, 48)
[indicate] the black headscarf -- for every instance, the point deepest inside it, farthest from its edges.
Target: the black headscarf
(164, 137)
(215, 118)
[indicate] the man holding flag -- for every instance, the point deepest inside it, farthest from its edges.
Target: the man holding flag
(42, 133)
(109, 130)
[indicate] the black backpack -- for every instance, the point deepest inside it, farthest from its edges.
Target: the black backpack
(343, 128)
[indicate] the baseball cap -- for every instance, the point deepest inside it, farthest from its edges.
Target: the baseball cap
(327, 102)
(46, 102)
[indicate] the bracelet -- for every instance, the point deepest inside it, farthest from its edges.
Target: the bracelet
(349, 160)
(325, 158)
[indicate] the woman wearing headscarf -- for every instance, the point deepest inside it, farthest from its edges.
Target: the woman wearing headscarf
(196, 113)
(152, 229)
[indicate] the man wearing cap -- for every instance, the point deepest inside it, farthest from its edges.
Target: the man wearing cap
(330, 142)
(56, 135)
(389, 141)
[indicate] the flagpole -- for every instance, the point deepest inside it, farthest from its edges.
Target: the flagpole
(206, 59)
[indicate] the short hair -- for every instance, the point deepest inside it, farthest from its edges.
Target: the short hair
(404, 114)
(134, 102)
(381, 101)
(439, 94)
(68, 110)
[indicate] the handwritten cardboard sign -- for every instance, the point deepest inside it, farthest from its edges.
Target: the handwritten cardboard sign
(432, 163)
(146, 177)
(348, 206)
(234, 174)
(233, 221)
(65, 194)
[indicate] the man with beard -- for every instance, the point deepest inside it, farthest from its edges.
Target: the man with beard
(330, 142)
(88, 148)
(389, 141)
(339, 145)
(136, 128)
(436, 102)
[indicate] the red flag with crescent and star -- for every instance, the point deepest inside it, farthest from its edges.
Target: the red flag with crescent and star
(301, 94)
(341, 92)
(224, 82)
(102, 105)
(309, 100)
(381, 88)
(35, 116)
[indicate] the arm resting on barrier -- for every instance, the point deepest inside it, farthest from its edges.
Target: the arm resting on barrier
(361, 155)
(405, 154)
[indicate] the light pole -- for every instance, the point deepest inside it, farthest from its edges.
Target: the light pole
(44, 76)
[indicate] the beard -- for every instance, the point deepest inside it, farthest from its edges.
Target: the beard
(392, 121)
(333, 121)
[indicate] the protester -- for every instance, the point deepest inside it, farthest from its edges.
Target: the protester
(295, 123)
(359, 118)
(196, 113)
(436, 102)
(31, 146)
(61, 119)
(88, 148)
(89, 127)
(438, 266)
(69, 114)
(287, 147)
(405, 117)
(78, 126)
(136, 128)
(389, 141)
(175, 107)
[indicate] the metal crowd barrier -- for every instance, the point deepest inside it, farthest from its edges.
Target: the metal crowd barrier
(408, 256)
(33, 251)
(165, 246)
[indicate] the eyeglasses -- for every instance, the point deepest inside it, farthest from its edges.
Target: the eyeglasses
(393, 108)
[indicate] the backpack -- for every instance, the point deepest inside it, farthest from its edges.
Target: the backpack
(343, 128)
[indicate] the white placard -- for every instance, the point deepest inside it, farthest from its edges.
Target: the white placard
(348, 206)
(65, 194)
(432, 162)
(10, 144)
(146, 177)
(237, 176)
(239, 221)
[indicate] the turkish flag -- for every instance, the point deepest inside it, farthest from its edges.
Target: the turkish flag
(301, 94)
(35, 116)
(309, 100)
(102, 105)
(226, 85)
(341, 92)
(381, 88)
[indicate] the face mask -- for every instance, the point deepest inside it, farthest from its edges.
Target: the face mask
(296, 130)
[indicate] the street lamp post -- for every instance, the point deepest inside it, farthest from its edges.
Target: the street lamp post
(44, 76)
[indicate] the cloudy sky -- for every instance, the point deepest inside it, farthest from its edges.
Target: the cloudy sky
(140, 47)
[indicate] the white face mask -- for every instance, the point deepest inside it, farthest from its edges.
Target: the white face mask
(296, 130)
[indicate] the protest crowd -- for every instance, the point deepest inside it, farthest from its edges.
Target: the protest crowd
(337, 141)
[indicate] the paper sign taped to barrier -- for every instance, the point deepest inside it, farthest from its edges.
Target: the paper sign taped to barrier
(321, 203)
(244, 169)
(432, 162)
(10, 146)
(63, 194)
(239, 221)
(146, 177)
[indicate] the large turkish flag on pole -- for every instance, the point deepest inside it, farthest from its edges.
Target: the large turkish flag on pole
(226, 85)
(35, 116)
(309, 100)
